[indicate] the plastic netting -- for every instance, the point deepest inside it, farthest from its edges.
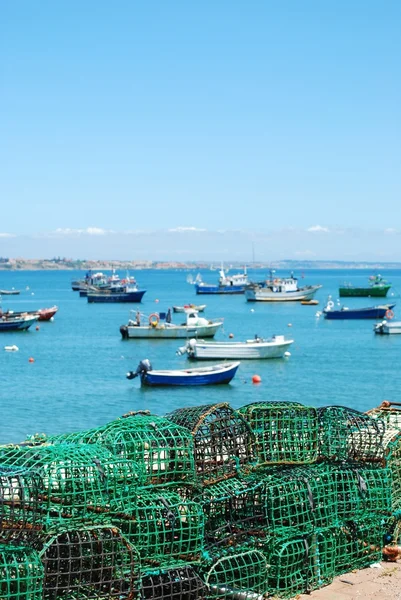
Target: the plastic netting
(359, 544)
(163, 524)
(179, 582)
(21, 574)
(389, 413)
(285, 432)
(19, 499)
(322, 565)
(242, 575)
(224, 442)
(288, 556)
(164, 449)
(346, 434)
(76, 478)
(89, 563)
(234, 511)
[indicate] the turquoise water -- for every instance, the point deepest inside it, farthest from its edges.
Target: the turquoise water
(78, 378)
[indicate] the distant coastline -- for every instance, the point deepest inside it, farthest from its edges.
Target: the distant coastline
(67, 264)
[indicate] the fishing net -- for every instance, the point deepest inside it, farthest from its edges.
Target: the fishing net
(359, 544)
(164, 449)
(21, 574)
(179, 582)
(89, 563)
(322, 558)
(346, 434)
(19, 499)
(389, 412)
(288, 556)
(285, 432)
(223, 440)
(237, 574)
(76, 478)
(163, 524)
(234, 511)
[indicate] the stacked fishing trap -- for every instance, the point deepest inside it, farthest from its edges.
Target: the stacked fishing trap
(208, 502)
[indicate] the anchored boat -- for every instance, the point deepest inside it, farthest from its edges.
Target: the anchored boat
(376, 288)
(280, 290)
(215, 374)
(275, 347)
(227, 284)
(159, 328)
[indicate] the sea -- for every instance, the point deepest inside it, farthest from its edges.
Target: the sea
(77, 379)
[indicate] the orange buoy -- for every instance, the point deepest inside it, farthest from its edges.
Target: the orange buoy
(231, 335)
(31, 359)
(256, 379)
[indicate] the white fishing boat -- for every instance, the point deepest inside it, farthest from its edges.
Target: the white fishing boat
(189, 307)
(159, 328)
(280, 290)
(275, 347)
(387, 327)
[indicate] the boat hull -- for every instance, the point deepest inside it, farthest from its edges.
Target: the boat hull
(191, 377)
(374, 312)
(116, 296)
(9, 292)
(202, 288)
(388, 328)
(171, 332)
(17, 324)
(267, 295)
(370, 292)
(45, 314)
(238, 350)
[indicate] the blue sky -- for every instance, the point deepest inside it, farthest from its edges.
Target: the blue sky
(195, 129)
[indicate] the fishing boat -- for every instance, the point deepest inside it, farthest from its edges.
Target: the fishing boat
(277, 289)
(12, 323)
(9, 292)
(158, 328)
(43, 314)
(214, 374)
(189, 307)
(227, 284)
(377, 288)
(121, 292)
(370, 312)
(275, 347)
(387, 327)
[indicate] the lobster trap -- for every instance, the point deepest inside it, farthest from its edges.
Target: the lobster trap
(234, 511)
(288, 557)
(389, 413)
(322, 563)
(89, 563)
(163, 524)
(76, 479)
(359, 544)
(223, 440)
(347, 434)
(178, 582)
(237, 574)
(21, 573)
(285, 432)
(163, 449)
(19, 503)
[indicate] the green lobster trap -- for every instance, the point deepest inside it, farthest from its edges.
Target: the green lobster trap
(389, 413)
(359, 544)
(76, 479)
(285, 432)
(20, 490)
(288, 556)
(346, 434)
(234, 511)
(163, 524)
(177, 582)
(223, 440)
(322, 563)
(21, 573)
(237, 574)
(163, 449)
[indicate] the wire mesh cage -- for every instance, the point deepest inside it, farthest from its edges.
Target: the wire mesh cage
(346, 434)
(164, 450)
(234, 511)
(89, 563)
(21, 573)
(393, 459)
(76, 478)
(285, 432)
(363, 490)
(322, 564)
(389, 413)
(163, 524)
(223, 440)
(359, 544)
(19, 503)
(237, 574)
(178, 582)
(288, 556)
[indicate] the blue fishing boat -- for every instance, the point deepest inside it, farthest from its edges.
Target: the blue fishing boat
(370, 312)
(227, 284)
(125, 291)
(214, 374)
(18, 323)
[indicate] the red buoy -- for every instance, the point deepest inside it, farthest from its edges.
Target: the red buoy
(31, 359)
(231, 335)
(37, 327)
(256, 379)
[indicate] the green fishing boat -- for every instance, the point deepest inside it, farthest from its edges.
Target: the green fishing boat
(376, 288)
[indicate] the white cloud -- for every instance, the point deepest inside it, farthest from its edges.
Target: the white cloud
(318, 228)
(87, 231)
(184, 229)
(7, 235)
(391, 231)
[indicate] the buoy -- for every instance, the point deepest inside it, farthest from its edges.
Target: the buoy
(256, 379)
(11, 348)
(31, 359)
(51, 318)
(231, 335)
(157, 300)
(32, 293)
(252, 310)
(289, 324)
(37, 327)
(287, 353)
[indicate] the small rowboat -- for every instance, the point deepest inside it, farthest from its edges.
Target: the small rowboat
(9, 292)
(214, 374)
(187, 307)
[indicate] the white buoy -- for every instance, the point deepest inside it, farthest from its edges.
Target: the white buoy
(32, 293)
(289, 325)
(287, 353)
(252, 310)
